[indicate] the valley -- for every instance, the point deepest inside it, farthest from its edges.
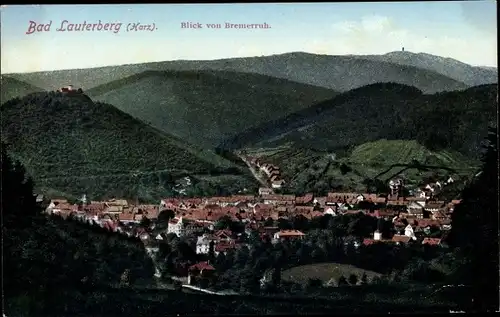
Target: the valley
(287, 183)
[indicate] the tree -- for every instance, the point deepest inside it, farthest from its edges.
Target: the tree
(269, 222)
(364, 279)
(223, 223)
(314, 283)
(165, 216)
(284, 224)
(344, 169)
(475, 231)
(342, 281)
(300, 222)
(353, 279)
(145, 222)
(18, 202)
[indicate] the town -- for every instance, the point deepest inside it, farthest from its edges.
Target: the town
(416, 219)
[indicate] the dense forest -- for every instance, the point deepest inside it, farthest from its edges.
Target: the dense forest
(90, 147)
(455, 120)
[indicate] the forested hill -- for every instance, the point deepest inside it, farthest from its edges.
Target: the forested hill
(452, 120)
(205, 107)
(45, 258)
(72, 145)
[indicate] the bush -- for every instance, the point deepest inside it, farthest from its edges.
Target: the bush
(353, 279)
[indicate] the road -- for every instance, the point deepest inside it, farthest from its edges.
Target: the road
(255, 173)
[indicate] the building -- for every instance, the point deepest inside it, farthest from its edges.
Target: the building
(69, 89)
(200, 270)
(277, 183)
(288, 235)
(203, 245)
(265, 191)
(179, 226)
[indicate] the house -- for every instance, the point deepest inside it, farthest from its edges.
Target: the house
(409, 232)
(203, 244)
(419, 193)
(271, 231)
(386, 213)
(416, 209)
(277, 184)
(439, 215)
(200, 270)
(398, 239)
(288, 234)
(320, 201)
(151, 246)
(304, 200)
(127, 218)
(113, 209)
(69, 89)
(367, 197)
(117, 202)
(279, 199)
(433, 206)
(265, 191)
(178, 226)
(223, 247)
(224, 235)
(331, 211)
(432, 241)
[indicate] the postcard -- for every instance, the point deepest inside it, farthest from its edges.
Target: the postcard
(249, 158)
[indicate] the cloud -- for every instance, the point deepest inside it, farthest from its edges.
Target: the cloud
(379, 35)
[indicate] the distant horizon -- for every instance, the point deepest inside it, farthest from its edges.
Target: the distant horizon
(37, 38)
(237, 57)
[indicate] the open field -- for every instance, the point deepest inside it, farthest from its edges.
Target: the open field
(325, 272)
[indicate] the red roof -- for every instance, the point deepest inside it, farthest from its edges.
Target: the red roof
(224, 246)
(290, 233)
(279, 197)
(367, 241)
(226, 232)
(431, 241)
(401, 238)
(201, 266)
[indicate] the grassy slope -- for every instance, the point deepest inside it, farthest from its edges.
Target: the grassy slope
(326, 272)
(306, 167)
(11, 88)
(340, 73)
(207, 107)
(72, 145)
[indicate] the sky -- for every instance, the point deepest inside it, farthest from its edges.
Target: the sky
(463, 30)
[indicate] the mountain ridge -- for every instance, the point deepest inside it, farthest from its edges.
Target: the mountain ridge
(314, 69)
(453, 68)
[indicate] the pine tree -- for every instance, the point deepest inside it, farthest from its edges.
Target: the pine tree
(342, 281)
(364, 279)
(353, 279)
(475, 231)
